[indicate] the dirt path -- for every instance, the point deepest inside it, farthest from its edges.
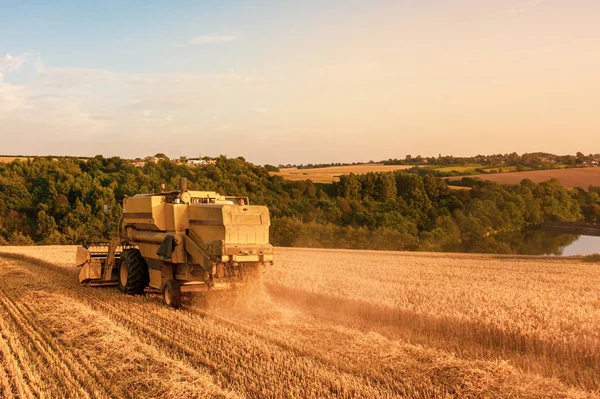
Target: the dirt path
(58, 339)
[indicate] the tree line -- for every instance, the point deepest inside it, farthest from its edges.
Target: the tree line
(526, 161)
(523, 162)
(62, 201)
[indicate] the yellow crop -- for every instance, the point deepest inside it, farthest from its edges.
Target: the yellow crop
(329, 323)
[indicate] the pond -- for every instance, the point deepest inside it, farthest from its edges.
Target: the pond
(583, 245)
(539, 242)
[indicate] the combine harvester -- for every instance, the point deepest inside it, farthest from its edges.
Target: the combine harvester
(181, 241)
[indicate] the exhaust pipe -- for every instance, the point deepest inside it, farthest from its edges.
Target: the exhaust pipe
(183, 184)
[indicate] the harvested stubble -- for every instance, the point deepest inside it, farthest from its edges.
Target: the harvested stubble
(332, 173)
(330, 324)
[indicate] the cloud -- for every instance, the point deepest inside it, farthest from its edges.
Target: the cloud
(10, 63)
(72, 77)
(525, 5)
(84, 106)
(212, 38)
(77, 78)
(12, 97)
(25, 112)
(260, 110)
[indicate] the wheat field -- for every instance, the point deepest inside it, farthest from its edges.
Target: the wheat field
(9, 159)
(332, 173)
(328, 323)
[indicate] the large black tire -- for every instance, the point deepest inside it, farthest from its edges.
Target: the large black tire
(133, 272)
(172, 294)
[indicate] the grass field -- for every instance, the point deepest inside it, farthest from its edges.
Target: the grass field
(572, 177)
(331, 174)
(329, 323)
(473, 168)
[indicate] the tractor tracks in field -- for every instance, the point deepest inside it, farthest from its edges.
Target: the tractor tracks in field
(246, 363)
(88, 364)
(228, 349)
(73, 377)
(268, 354)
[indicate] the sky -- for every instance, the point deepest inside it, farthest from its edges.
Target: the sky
(299, 81)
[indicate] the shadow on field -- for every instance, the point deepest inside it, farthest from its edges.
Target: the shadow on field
(469, 339)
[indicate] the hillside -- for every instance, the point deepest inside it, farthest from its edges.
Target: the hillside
(63, 201)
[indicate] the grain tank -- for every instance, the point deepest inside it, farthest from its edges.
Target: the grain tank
(181, 241)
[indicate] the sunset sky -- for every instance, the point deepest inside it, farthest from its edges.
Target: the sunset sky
(299, 81)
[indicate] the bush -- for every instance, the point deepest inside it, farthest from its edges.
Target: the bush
(19, 239)
(592, 258)
(271, 168)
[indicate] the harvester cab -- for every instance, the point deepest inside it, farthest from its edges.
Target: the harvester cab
(181, 241)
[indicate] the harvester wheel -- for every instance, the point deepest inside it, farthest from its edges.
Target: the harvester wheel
(133, 273)
(123, 277)
(172, 294)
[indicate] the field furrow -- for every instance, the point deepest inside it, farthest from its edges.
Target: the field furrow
(6, 389)
(14, 381)
(97, 343)
(204, 348)
(217, 349)
(288, 341)
(76, 369)
(77, 381)
(65, 383)
(227, 352)
(21, 358)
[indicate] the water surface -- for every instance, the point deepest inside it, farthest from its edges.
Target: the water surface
(540, 242)
(583, 245)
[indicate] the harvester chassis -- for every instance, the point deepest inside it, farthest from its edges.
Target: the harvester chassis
(180, 241)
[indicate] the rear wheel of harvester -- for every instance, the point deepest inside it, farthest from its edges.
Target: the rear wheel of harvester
(123, 276)
(172, 294)
(133, 272)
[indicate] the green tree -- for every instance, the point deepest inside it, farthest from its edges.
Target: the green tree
(349, 187)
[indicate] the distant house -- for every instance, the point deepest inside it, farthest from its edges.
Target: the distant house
(195, 162)
(198, 162)
(191, 162)
(139, 163)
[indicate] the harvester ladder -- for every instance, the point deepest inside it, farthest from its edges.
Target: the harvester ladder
(110, 259)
